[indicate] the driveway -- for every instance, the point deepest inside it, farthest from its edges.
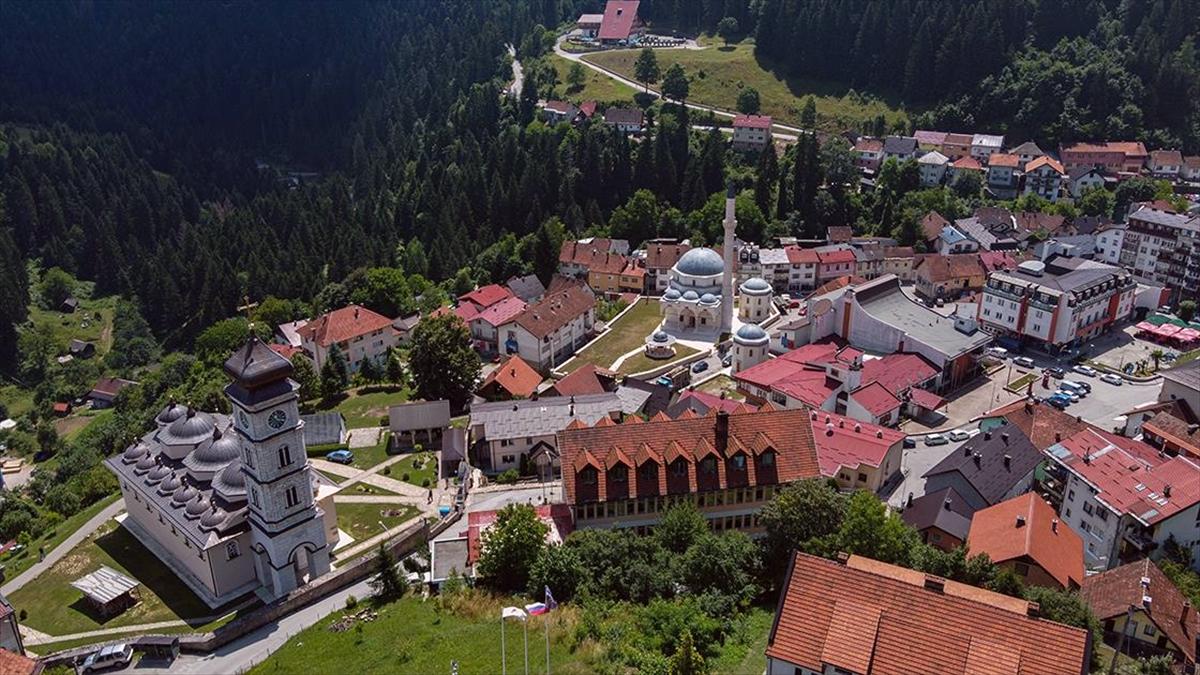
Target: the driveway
(914, 463)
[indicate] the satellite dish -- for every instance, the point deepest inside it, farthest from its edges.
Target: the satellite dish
(823, 306)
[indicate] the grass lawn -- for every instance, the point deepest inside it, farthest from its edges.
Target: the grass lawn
(56, 608)
(16, 564)
(411, 636)
(71, 426)
(417, 466)
(16, 400)
(744, 652)
(1019, 384)
(626, 334)
(365, 490)
(361, 521)
(722, 384)
(597, 87)
(363, 410)
(92, 322)
(717, 74)
(365, 458)
(640, 363)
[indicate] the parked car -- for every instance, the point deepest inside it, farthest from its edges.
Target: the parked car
(112, 656)
(1057, 402)
(936, 439)
(1055, 372)
(910, 442)
(1113, 379)
(958, 435)
(997, 352)
(342, 456)
(1023, 361)
(1067, 394)
(1085, 370)
(727, 361)
(1081, 388)
(700, 367)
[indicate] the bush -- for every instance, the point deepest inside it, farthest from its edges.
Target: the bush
(387, 470)
(351, 602)
(508, 477)
(404, 476)
(416, 463)
(424, 482)
(383, 421)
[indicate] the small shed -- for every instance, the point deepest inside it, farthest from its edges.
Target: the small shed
(69, 305)
(327, 428)
(158, 647)
(107, 591)
(419, 422)
(81, 349)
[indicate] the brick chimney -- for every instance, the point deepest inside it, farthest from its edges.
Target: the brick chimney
(722, 432)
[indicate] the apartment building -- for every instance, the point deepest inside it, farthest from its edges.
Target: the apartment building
(1164, 246)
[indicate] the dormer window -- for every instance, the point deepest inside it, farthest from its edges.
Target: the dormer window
(588, 476)
(708, 465)
(768, 458)
(679, 468)
(739, 462)
(619, 473)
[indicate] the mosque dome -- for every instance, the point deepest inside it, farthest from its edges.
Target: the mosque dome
(190, 429)
(671, 294)
(755, 286)
(213, 518)
(660, 337)
(750, 334)
(708, 299)
(208, 458)
(169, 414)
(691, 296)
(700, 262)
(231, 482)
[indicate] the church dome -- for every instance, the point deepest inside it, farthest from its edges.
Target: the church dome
(671, 294)
(169, 414)
(145, 463)
(213, 518)
(749, 334)
(190, 429)
(135, 452)
(700, 262)
(210, 458)
(691, 296)
(708, 299)
(231, 482)
(197, 506)
(755, 286)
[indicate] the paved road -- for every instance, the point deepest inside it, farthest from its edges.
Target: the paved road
(518, 71)
(721, 112)
(65, 547)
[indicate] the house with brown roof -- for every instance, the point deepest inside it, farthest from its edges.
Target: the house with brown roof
(1117, 157)
(549, 331)
(1165, 164)
(513, 378)
(660, 257)
(625, 120)
(931, 227)
(1044, 425)
(1044, 177)
(870, 153)
(1172, 435)
(1163, 620)
(1025, 535)
(576, 257)
(358, 332)
(941, 517)
(948, 276)
(587, 379)
(104, 392)
(858, 616)
(751, 133)
(625, 475)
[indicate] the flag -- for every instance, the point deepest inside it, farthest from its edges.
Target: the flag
(536, 608)
(551, 603)
(512, 613)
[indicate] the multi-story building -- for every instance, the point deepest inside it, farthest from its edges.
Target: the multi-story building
(751, 133)
(948, 277)
(358, 332)
(511, 434)
(575, 258)
(900, 148)
(1044, 177)
(1055, 305)
(803, 266)
(929, 140)
(870, 153)
(1164, 246)
(898, 260)
(984, 146)
(660, 256)
(1124, 497)
(1117, 157)
(836, 260)
(728, 464)
(932, 168)
(1165, 164)
(859, 456)
(1026, 153)
(776, 268)
(957, 146)
(1003, 175)
(549, 331)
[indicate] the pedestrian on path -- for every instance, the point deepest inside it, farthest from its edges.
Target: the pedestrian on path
(429, 497)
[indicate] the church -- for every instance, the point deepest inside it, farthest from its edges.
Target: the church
(230, 503)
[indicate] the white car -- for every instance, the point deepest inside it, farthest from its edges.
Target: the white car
(112, 656)
(936, 439)
(1068, 394)
(997, 352)
(1113, 379)
(958, 435)
(1085, 370)
(1023, 361)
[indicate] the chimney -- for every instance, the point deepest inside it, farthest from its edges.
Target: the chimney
(841, 424)
(1183, 615)
(829, 428)
(1008, 461)
(1058, 437)
(1166, 490)
(879, 433)
(842, 557)
(908, 502)
(1004, 437)
(722, 432)
(1033, 610)
(978, 459)
(987, 435)
(356, 313)
(1020, 521)
(515, 408)
(857, 428)
(1054, 526)
(967, 450)
(935, 583)
(947, 504)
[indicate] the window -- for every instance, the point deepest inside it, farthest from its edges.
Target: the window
(862, 477)
(507, 459)
(679, 468)
(290, 497)
(249, 458)
(285, 456)
(1070, 495)
(1150, 630)
(588, 476)
(1021, 568)
(231, 550)
(708, 465)
(254, 496)
(619, 473)
(1087, 508)
(739, 462)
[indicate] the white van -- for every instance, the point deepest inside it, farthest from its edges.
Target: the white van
(997, 352)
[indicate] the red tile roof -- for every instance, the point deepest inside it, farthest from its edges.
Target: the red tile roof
(926, 399)
(967, 162)
(619, 16)
(61, 407)
(834, 284)
(868, 144)
(840, 234)
(846, 442)
(1005, 160)
(898, 372)
(588, 108)
(939, 268)
(801, 256)
(286, 351)
(932, 225)
(664, 256)
(555, 310)
(1109, 594)
(876, 399)
(1026, 529)
(15, 664)
(994, 261)
(958, 139)
(343, 324)
(709, 401)
(777, 446)
(501, 312)
(1135, 148)
(556, 516)
(1043, 161)
(515, 376)
(588, 379)
(1131, 476)
(110, 386)
(1167, 426)
(840, 255)
(752, 121)
(486, 296)
(799, 373)
(870, 617)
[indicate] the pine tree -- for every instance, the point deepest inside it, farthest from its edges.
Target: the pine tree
(386, 581)
(686, 660)
(305, 376)
(764, 183)
(646, 69)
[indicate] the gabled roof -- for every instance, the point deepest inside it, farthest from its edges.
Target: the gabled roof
(845, 442)
(1026, 529)
(868, 144)
(486, 296)
(544, 416)
(501, 312)
(947, 267)
(588, 379)
(1166, 158)
(1004, 160)
(527, 288)
(1134, 148)
(619, 16)
(965, 163)
(664, 256)
(802, 256)
(929, 137)
(514, 376)
(752, 121)
(1043, 424)
(701, 402)
(1044, 160)
(898, 372)
(1167, 426)
(343, 324)
(629, 116)
(982, 461)
(932, 225)
(555, 310)
(14, 664)
(1109, 595)
(899, 145)
(1027, 148)
(876, 399)
(870, 617)
(1187, 375)
(944, 509)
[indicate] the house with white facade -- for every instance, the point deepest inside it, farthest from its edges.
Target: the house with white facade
(358, 332)
(505, 432)
(1055, 305)
(983, 146)
(1082, 179)
(1165, 164)
(932, 168)
(549, 331)
(1164, 246)
(751, 133)
(1044, 177)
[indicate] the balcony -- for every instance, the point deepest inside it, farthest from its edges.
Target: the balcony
(1138, 538)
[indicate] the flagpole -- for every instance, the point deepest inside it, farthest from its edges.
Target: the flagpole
(503, 659)
(526, 622)
(547, 622)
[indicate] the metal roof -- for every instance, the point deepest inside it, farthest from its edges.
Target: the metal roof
(105, 585)
(542, 417)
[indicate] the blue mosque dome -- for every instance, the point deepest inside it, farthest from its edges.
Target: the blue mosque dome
(750, 334)
(660, 336)
(756, 286)
(671, 294)
(691, 296)
(708, 299)
(700, 262)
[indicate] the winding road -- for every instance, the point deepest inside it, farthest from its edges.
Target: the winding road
(570, 56)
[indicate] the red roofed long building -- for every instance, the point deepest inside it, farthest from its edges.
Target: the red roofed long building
(357, 331)
(620, 21)
(864, 617)
(1124, 497)
(729, 465)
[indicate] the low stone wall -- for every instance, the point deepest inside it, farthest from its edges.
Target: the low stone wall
(418, 534)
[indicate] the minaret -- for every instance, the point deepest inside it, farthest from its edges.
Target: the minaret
(727, 277)
(287, 530)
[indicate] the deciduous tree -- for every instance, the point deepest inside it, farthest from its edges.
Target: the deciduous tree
(510, 547)
(442, 362)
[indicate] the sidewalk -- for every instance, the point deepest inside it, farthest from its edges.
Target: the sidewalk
(65, 547)
(370, 476)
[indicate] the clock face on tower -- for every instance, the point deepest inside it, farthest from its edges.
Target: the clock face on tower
(277, 419)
